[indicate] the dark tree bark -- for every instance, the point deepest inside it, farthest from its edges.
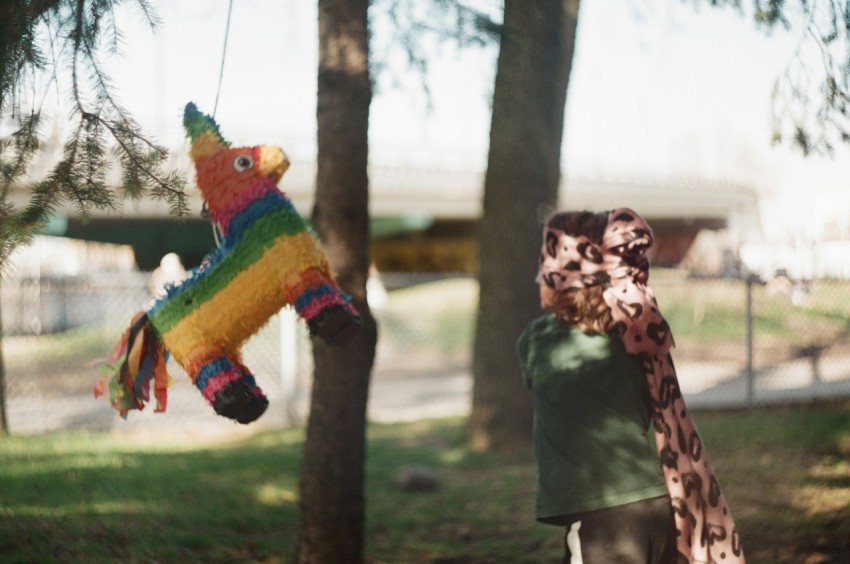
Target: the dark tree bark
(4, 427)
(523, 173)
(332, 474)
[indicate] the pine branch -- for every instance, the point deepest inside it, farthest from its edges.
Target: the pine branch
(22, 145)
(77, 30)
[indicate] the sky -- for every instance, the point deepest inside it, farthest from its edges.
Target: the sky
(678, 89)
(658, 87)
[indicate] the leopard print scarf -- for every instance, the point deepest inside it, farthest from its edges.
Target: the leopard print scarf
(706, 531)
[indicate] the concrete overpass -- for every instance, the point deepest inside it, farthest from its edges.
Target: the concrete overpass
(427, 210)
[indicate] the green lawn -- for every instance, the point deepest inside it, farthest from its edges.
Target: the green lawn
(73, 497)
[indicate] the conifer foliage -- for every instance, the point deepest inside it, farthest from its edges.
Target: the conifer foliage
(61, 43)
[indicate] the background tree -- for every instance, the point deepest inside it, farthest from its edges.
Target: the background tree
(332, 501)
(4, 427)
(522, 179)
(332, 498)
(811, 110)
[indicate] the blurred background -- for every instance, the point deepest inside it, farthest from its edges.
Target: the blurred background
(668, 112)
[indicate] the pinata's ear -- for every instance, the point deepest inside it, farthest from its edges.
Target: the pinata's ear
(203, 131)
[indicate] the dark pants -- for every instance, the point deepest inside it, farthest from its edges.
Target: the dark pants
(643, 532)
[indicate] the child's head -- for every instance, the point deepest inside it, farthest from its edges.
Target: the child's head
(583, 307)
(581, 223)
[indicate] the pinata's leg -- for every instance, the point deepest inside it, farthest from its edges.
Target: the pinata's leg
(326, 309)
(229, 387)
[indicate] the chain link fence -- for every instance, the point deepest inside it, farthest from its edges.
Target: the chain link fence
(739, 343)
(747, 342)
(55, 329)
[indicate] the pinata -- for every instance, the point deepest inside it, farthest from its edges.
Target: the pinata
(268, 257)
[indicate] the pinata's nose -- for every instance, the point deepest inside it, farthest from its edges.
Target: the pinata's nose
(273, 162)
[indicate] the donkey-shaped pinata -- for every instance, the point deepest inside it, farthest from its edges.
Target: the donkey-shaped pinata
(268, 257)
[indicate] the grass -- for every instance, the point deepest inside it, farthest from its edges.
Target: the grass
(786, 473)
(67, 345)
(709, 318)
(73, 497)
(442, 311)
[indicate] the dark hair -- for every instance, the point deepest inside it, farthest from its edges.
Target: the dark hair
(589, 224)
(583, 307)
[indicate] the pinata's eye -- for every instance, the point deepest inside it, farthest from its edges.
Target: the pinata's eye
(242, 163)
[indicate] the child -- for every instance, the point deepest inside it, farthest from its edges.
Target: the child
(599, 368)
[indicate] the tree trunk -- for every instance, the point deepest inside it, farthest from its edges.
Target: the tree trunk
(332, 474)
(4, 427)
(523, 174)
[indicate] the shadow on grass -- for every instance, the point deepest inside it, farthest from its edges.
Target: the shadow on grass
(786, 473)
(482, 511)
(88, 497)
(78, 498)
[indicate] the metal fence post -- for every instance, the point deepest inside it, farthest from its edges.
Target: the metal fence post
(4, 427)
(289, 359)
(751, 377)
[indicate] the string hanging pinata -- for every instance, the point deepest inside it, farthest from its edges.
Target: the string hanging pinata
(268, 257)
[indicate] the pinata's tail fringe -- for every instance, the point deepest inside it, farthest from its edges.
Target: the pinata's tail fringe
(137, 358)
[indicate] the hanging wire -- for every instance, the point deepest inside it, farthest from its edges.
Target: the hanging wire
(223, 55)
(216, 228)
(217, 236)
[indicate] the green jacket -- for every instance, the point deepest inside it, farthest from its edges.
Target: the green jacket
(591, 420)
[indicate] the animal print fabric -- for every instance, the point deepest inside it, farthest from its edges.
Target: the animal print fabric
(705, 528)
